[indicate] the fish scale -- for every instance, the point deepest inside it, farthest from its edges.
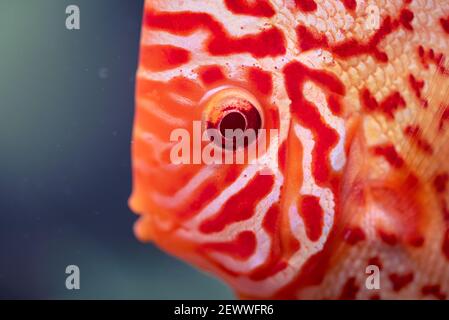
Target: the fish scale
(358, 173)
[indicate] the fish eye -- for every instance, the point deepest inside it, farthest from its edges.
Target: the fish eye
(235, 114)
(232, 120)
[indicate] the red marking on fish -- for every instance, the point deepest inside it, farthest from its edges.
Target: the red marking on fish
(375, 261)
(209, 191)
(414, 132)
(350, 289)
(351, 48)
(416, 240)
(271, 220)
(444, 117)
(275, 263)
(400, 281)
(335, 104)
(445, 24)
(211, 74)
(306, 5)
(266, 43)
(262, 80)
(433, 290)
(242, 247)
(406, 18)
(389, 106)
(308, 40)
(417, 86)
(240, 206)
(307, 114)
(387, 237)
(260, 8)
(429, 56)
(440, 182)
(390, 154)
(312, 214)
(350, 4)
(445, 245)
(164, 57)
(282, 157)
(354, 235)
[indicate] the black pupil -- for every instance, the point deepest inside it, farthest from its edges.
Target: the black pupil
(232, 121)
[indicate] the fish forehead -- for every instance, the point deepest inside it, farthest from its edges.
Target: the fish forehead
(334, 41)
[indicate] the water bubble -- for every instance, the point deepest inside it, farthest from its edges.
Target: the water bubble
(103, 73)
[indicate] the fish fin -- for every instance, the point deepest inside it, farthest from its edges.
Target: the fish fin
(424, 146)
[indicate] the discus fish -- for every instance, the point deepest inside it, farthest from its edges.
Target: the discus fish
(350, 197)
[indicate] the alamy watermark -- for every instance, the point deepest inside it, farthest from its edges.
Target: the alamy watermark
(372, 282)
(73, 20)
(233, 146)
(72, 282)
(372, 19)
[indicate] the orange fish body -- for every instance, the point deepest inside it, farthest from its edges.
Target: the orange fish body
(346, 196)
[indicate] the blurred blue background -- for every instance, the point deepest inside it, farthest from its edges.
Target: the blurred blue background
(66, 101)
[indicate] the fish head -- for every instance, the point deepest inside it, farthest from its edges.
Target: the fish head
(281, 153)
(225, 203)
